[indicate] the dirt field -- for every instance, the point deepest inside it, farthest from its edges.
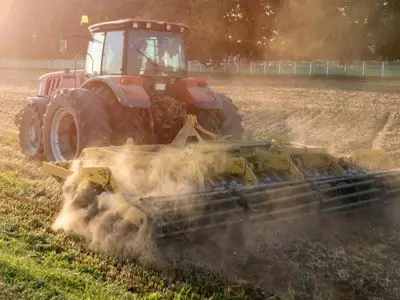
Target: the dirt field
(340, 115)
(355, 258)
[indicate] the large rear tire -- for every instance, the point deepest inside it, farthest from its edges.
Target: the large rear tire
(226, 121)
(169, 117)
(125, 122)
(231, 118)
(210, 119)
(30, 131)
(75, 119)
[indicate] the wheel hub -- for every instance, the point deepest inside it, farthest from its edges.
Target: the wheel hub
(63, 135)
(32, 134)
(32, 137)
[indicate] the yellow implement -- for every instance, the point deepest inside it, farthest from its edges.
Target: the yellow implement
(201, 181)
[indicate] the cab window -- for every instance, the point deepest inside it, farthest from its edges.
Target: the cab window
(113, 53)
(95, 50)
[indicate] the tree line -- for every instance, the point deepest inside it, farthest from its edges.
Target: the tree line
(342, 30)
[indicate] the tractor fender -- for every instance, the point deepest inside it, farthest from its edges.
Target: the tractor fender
(128, 89)
(198, 93)
(39, 100)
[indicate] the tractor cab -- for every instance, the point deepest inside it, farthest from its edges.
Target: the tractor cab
(137, 48)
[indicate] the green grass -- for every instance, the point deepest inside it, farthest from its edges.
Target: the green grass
(36, 263)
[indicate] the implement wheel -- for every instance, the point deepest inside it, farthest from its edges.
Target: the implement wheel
(75, 119)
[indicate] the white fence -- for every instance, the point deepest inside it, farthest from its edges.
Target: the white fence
(58, 64)
(272, 68)
(305, 68)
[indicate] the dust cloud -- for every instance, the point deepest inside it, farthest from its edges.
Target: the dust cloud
(107, 221)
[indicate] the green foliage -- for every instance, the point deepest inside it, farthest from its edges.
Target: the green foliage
(298, 29)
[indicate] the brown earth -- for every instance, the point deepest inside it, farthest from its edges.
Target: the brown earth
(356, 258)
(342, 116)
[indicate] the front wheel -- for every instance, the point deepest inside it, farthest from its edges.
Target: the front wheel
(75, 119)
(30, 131)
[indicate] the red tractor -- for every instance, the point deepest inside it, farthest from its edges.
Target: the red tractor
(135, 85)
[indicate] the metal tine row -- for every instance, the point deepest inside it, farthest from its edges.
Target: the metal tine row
(271, 207)
(198, 202)
(275, 185)
(313, 190)
(265, 219)
(285, 215)
(314, 204)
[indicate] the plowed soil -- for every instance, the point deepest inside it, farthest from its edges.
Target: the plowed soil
(355, 258)
(340, 115)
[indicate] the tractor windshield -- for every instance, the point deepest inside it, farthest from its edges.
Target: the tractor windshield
(153, 52)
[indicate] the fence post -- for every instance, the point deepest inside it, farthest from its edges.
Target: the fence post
(311, 67)
(265, 67)
(251, 67)
(294, 68)
(363, 69)
(383, 69)
(327, 68)
(279, 68)
(345, 68)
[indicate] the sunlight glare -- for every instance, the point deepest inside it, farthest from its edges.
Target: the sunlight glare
(5, 6)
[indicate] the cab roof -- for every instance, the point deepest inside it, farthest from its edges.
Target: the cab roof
(152, 25)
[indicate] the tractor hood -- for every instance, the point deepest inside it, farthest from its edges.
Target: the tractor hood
(52, 82)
